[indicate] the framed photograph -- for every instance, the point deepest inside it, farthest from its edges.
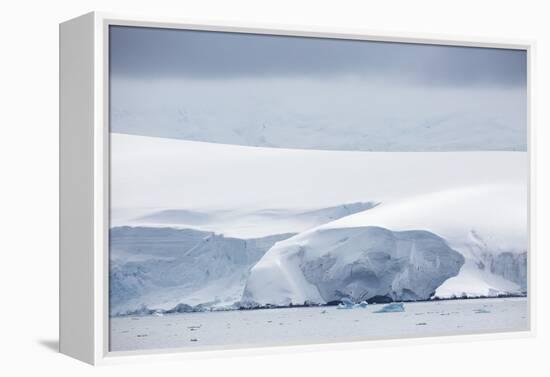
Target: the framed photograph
(228, 187)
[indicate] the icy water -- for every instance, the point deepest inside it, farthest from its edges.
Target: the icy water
(271, 327)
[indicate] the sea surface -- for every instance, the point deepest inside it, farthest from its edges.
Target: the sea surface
(307, 325)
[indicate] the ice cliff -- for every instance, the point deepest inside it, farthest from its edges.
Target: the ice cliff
(468, 241)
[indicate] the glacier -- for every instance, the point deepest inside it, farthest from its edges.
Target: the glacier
(167, 269)
(357, 263)
(184, 270)
(220, 228)
(469, 241)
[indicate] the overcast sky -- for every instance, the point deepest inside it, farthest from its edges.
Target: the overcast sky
(169, 82)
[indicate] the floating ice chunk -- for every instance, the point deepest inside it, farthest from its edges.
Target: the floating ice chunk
(392, 308)
(349, 304)
(481, 311)
(346, 303)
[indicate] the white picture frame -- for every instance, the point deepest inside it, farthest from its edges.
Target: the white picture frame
(84, 182)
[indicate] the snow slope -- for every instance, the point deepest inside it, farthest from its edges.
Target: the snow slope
(406, 249)
(150, 175)
(333, 113)
(241, 223)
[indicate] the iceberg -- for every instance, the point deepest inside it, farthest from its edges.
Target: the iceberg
(394, 307)
(345, 303)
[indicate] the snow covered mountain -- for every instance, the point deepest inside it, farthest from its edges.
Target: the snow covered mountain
(469, 241)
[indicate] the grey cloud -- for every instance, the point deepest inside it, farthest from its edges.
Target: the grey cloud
(150, 53)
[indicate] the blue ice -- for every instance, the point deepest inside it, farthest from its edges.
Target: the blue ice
(392, 308)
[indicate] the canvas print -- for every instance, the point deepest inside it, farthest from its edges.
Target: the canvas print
(278, 190)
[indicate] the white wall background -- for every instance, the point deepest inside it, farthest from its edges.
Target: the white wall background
(29, 188)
